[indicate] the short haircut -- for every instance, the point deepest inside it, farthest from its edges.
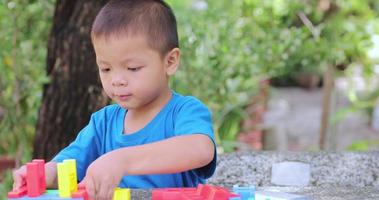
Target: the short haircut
(152, 18)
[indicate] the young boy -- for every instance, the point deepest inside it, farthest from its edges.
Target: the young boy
(152, 137)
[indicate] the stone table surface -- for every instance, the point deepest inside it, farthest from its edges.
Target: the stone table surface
(316, 193)
(333, 175)
(327, 169)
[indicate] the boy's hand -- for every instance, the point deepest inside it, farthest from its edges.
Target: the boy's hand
(19, 178)
(103, 176)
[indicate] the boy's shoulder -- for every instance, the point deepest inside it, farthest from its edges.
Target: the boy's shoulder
(184, 101)
(108, 110)
(183, 98)
(178, 102)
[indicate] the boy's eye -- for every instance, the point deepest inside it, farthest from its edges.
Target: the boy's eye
(105, 69)
(134, 69)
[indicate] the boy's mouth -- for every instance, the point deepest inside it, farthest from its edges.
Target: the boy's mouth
(123, 96)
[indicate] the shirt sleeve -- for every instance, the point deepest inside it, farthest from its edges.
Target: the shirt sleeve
(84, 149)
(194, 117)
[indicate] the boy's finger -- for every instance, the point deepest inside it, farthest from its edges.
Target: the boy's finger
(104, 192)
(90, 187)
(18, 184)
(19, 180)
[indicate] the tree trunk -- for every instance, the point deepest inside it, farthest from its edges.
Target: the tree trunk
(74, 90)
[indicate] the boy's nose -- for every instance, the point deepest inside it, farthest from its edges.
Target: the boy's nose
(119, 82)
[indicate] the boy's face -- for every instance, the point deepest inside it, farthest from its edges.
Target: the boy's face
(131, 72)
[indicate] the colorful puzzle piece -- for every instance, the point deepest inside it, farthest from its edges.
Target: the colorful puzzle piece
(35, 176)
(18, 193)
(72, 173)
(202, 192)
(81, 193)
(67, 178)
(48, 195)
(68, 189)
(36, 185)
(121, 194)
(246, 193)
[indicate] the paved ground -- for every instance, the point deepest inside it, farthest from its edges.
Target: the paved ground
(293, 121)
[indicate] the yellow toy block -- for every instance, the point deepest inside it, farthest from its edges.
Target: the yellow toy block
(121, 194)
(71, 163)
(63, 180)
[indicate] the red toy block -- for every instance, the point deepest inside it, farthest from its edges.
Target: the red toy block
(18, 193)
(35, 178)
(202, 192)
(213, 192)
(217, 194)
(81, 185)
(32, 180)
(41, 171)
(171, 193)
(81, 193)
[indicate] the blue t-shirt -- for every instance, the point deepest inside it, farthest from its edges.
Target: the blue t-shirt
(182, 115)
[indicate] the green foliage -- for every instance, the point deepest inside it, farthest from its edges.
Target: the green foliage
(353, 39)
(228, 48)
(6, 184)
(363, 145)
(217, 62)
(24, 32)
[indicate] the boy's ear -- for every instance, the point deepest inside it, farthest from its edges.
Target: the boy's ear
(172, 61)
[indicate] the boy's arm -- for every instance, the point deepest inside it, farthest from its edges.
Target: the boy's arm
(171, 155)
(51, 174)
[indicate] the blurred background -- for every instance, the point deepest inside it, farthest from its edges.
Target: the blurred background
(277, 74)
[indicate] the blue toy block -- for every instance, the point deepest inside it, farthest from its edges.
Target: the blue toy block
(246, 193)
(48, 195)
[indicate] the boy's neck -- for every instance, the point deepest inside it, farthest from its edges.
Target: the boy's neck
(136, 119)
(154, 106)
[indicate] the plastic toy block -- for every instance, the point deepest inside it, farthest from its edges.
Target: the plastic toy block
(268, 195)
(245, 192)
(63, 180)
(81, 193)
(235, 198)
(210, 192)
(36, 184)
(48, 195)
(33, 179)
(202, 192)
(81, 186)
(161, 195)
(173, 193)
(121, 194)
(41, 171)
(18, 193)
(71, 163)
